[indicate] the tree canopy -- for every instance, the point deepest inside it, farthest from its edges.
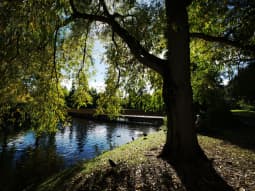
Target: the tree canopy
(44, 42)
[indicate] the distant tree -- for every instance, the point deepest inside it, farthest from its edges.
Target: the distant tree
(148, 102)
(109, 102)
(95, 96)
(68, 98)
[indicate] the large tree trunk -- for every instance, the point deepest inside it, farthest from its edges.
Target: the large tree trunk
(181, 141)
(182, 148)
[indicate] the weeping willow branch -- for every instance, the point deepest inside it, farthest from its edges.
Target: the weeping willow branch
(117, 65)
(55, 53)
(54, 58)
(84, 51)
(140, 53)
(85, 45)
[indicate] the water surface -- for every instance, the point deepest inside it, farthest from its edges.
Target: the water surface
(25, 160)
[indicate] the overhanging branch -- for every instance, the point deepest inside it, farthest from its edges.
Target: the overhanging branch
(223, 40)
(136, 48)
(117, 64)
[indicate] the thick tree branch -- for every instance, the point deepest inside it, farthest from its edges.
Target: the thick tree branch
(223, 40)
(85, 45)
(136, 48)
(138, 51)
(84, 53)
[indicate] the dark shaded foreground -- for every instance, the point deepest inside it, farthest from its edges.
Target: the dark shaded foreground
(157, 174)
(154, 175)
(200, 175)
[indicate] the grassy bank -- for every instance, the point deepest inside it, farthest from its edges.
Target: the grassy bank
(130, 154)
(138, 167)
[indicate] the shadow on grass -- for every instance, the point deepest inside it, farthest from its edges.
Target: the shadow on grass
(201, 176)
(153, 176)
(123, 177)
(240, 132)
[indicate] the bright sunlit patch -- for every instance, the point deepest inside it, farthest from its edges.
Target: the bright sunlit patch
(100, 130)
(67, 83)
(138, 133)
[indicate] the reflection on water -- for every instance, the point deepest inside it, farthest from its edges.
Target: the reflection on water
(26, 160)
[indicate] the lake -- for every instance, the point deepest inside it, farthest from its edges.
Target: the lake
(25, 160)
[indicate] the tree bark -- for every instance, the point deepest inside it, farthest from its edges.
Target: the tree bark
(181, 141)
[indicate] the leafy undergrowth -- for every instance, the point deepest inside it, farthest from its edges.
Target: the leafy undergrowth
(139, 168)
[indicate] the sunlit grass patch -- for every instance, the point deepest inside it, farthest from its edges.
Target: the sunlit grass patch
(131, 153)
